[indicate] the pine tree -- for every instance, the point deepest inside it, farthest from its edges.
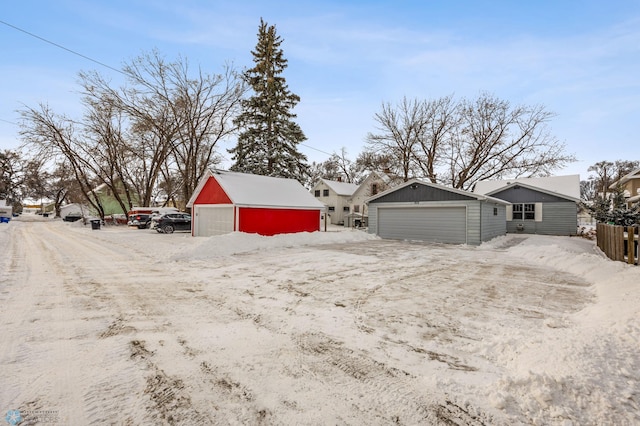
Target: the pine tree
(268, 139)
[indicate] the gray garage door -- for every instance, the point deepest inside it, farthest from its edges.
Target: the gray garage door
(434, 224)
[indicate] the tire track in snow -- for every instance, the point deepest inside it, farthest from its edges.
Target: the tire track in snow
(393, 394)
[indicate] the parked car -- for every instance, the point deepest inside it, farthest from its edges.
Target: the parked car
(141, 220)
(142, 217)
(168, 223)
(72, 217)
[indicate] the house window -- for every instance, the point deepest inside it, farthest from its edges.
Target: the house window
(495, 211)
(356, 208)
(316, 192)
(332, 209)
(374, 188)
(524, 212)
(325, 192)
(345, 209)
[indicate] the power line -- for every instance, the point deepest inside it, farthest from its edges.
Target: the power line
(316, 149)
(7, 121)
(99, 63)
(62, 47)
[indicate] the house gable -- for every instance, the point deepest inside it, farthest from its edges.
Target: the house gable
(417, 191)
(212, 193)
(568, 186)
(520, 194)
(631, 185)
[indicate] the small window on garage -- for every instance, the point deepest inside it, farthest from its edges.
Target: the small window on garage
(332, 209)
(316, 192)
(325, 192)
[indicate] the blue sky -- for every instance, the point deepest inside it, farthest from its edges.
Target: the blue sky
(580, 59)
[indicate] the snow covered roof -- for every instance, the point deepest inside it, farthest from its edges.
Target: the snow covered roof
(256, 190)
(480, 197)
(563, 185)
(626, 178)
(341, 188)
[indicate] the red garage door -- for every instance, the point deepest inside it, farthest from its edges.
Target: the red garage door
(265, 221)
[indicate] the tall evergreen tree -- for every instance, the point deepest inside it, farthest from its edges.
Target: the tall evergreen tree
(268, 139)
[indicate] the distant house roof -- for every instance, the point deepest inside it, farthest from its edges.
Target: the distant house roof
(372, 176)
(341, 188)
(568, 186)
(246, 189)
(626, 178)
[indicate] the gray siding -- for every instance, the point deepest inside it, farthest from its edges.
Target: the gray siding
(474, 209)
(493, 225)
(559, 218)
(420, 193)
(518, 194)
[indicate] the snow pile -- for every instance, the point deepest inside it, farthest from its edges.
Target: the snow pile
(588, 372)
(240, 242)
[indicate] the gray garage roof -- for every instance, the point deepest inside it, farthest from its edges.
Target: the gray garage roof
(459, 193)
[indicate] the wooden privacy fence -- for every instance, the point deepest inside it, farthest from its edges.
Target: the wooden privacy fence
(618, 242)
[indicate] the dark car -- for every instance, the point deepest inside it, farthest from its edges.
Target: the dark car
(141, 220)
(170, 222)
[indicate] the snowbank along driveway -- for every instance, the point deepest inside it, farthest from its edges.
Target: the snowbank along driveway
(126, 326)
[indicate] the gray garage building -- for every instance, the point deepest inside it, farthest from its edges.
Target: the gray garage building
(419, 210)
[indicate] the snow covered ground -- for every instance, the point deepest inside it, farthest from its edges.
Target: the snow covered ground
(127, 326)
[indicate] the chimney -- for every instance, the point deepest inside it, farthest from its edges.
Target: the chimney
(339, 178)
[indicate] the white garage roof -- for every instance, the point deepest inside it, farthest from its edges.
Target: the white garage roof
(245, 189)
(564, 185)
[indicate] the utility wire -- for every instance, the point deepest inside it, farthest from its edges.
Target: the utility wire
(62, 47)
(316, 149)
(7, 121)
(99, 63)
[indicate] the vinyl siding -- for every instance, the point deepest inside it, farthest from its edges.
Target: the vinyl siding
(493, 226)
(559, 218)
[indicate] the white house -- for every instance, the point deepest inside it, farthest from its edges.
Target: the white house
(335, 195)
(358, 210)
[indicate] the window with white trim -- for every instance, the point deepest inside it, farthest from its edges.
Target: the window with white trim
(525, 211)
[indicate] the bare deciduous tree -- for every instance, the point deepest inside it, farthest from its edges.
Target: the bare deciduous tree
(157, 134)
(54, 138)
(190, 113)
(401, 129)
(460, 143)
